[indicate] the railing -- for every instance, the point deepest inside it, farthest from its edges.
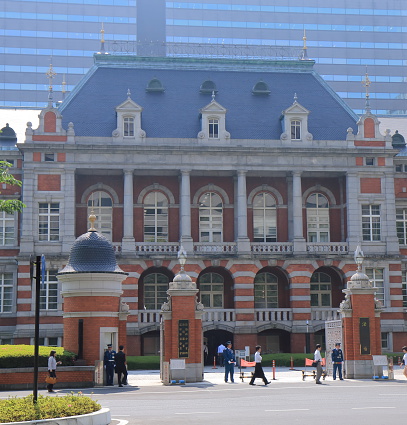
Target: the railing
(209, 248)
(149, 316)
(156, 247)
(117, 246)
(273, 315)
(221, 315)
(325, 314)
(328, 247)
(281, 247)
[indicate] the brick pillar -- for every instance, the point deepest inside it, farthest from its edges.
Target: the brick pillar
(361, 327)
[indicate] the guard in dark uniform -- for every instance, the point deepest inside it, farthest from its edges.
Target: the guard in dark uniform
(109, 363)
(337, 360)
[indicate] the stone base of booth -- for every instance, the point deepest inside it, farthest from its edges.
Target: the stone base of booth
(359, 369)
(192, 373)
(68, 377)
(101, 417)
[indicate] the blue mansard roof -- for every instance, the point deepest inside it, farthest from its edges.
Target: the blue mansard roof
(174, 112)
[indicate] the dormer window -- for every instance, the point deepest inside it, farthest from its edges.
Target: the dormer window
(213, 128)
(155, 86)
(128, 127)
(295, 130)
(208, 87)
(261, 88)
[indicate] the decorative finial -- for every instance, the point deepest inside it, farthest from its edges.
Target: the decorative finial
(102, 39)
(50, 75)
(304, 39)
(213, 95)
(63, 87)
(92, 219)
(128, 93)
(295, 98)
(366, 83)
(359, 258)
(182, 258)
(304, 54)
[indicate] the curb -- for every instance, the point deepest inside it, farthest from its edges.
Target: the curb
(101, 417)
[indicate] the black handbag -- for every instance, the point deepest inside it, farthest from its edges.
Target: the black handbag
(314, 364)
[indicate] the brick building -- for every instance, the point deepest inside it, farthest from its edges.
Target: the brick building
(262, 173)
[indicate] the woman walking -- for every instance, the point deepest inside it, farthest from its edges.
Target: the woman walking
(52, 367)
(258, 369)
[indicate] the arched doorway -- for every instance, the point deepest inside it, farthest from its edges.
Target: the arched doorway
(274, 341)
(213, 339)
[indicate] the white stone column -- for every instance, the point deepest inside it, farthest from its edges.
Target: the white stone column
(243, 243)
(28, 218)
(185, 211)
(128, 243)
(354, 214)
(389, 216)
(299, 240)
(69, 210)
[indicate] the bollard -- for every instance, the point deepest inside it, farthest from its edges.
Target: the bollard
(291, 363)
(399, 361)
(214, 363)
(274, 370)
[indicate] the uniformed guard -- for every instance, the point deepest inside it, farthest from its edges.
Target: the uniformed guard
(109, 364)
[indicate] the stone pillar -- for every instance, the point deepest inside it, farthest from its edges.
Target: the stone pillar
(354, 222)
(243, 243)
(128, 242)
(361, 326)
(68, 230)
(185, 212)
(299, 240)
(182, 328)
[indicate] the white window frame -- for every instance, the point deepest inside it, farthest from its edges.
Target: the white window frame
(377, 275)
(49, 291)
(210, 294)
(104, 213)
(404, 287)
(158, 219)
(295, 129)
(401, 225)
(320, 291)
(318, 220)
(266, 292)
(371, 222)
(156, 287)
(213, 128)
(6, 289)
(7, 221)
(266, 218)
(128, 127)
(210, 224)
(49, 232)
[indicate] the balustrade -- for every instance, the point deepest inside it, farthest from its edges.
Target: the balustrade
(273, 315)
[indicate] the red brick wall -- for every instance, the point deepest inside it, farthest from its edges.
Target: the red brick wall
(369, 128)
(49, 182)
(370, 185)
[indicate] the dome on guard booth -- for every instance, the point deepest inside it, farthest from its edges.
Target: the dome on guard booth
(92, 253)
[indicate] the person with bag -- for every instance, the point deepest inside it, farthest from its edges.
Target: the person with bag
(121, 368)
(258, 369)
(318, 363)
(52, 367)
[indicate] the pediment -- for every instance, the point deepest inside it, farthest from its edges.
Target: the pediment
(214, 107)
(296, 108)
(129, 105)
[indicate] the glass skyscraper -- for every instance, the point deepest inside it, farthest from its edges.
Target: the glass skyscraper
(345, 38)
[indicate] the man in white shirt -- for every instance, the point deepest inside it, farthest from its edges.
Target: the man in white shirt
(258, 370)
(221, 360)
(318, 360)
(404, 361)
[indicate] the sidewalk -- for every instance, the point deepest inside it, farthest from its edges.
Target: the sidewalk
(216, 376)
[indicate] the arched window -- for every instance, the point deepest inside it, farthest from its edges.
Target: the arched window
(211, 290)
(264, 218)
(261, 88)
(155, 290)
(155, 217)
(320, 290)
(102, 205)
(208, 87)
(128, 127)
(295, 130)
(265, 291)
(213, 128)
(210, 217)
(317, 218)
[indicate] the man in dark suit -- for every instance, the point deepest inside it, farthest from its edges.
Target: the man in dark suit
(121, 366)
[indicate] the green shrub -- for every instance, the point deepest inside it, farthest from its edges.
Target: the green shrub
(12, 356)
(143, 362)
(16, 409)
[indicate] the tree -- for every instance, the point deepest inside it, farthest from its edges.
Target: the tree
(9, 205)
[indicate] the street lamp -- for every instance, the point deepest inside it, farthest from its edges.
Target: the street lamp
(182, 258)
(359, 257)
